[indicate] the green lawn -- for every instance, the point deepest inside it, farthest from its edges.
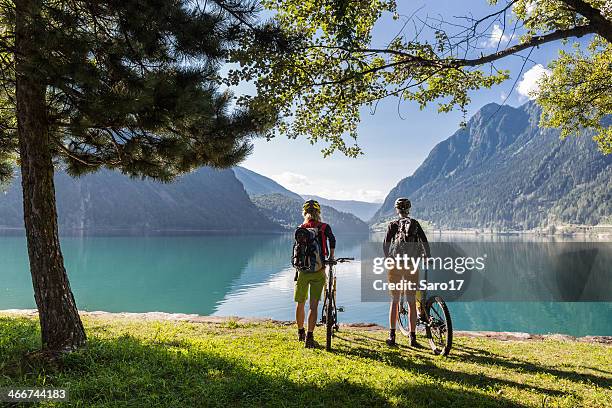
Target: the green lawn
(132, 363)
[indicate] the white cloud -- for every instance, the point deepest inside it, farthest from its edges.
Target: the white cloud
(291, 180)
(530, 7)
(369, 195)
(497, 37)
(503, 96)
(375, 196)
(529, 84)
(305, 186)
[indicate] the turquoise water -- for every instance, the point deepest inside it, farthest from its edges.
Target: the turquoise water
(247, 275)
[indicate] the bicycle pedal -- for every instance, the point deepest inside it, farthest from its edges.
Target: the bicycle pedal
(340, 309)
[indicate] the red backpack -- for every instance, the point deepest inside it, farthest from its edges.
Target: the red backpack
(319, 230)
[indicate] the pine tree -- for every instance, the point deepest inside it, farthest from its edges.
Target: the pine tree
(122, 84)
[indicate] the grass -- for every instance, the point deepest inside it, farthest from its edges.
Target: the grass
(130, 363)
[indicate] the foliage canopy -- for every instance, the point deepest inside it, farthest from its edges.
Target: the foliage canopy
(131, 85)
(330, 68)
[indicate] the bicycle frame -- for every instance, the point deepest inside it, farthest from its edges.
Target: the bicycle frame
(330, 293)
(428, 321)
(423, 295)
(329, 314)
(421, 302)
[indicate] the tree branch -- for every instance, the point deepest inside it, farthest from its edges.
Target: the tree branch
(602, 25)
(409, 59)
(534, 41)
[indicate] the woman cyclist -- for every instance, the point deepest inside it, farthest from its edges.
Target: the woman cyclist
(403, 231)
(312, 282)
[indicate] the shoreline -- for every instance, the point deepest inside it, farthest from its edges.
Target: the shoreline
(195, 318)
(476, 232)
(598, 232)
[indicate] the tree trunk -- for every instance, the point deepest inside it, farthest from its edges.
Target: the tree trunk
(60, 323)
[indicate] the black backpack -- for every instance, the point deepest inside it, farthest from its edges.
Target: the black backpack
(308, 249)
(405, 241)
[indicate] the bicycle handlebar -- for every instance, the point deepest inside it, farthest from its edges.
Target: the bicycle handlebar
(338, 260)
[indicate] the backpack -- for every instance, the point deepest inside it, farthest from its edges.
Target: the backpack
(405, 240)
(308, 249)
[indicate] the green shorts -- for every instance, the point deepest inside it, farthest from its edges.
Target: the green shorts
(313, 280)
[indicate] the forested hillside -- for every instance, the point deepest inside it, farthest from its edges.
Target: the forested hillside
(503, 171)
(288, 212)
(362, 209)
(255, 184)
(204, 200)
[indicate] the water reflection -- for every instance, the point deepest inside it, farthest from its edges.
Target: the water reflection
(249, 275)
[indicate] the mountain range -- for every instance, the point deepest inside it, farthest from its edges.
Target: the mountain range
(287, 211)
(362, 209)
(204, 200)
(503, 171)
(255, 185)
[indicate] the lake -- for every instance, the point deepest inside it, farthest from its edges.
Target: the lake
(250, 275)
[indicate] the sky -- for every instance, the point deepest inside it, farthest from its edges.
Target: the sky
(397, 138)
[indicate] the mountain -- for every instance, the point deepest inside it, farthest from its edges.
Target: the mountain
(361, 209)
(255, 184)
(287, 211)
(503, 171)
(206, 199)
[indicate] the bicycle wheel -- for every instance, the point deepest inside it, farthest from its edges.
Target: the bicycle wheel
(329, 321)
(439, 327)
(402, 316)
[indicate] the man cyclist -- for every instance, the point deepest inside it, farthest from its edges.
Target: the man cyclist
(312, 282)
(406, 231)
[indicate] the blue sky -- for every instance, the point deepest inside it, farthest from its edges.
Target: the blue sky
(396, 139)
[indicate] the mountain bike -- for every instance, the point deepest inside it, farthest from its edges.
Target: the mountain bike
(436, 321)
(329, 315)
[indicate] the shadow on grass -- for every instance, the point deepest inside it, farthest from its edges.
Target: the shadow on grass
(485, 357)
(470, 355)
(398, 360)
(125, 371)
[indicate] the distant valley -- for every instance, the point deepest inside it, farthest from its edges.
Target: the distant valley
(362, 209)
(284, 206)
(256, 184)
(287, 211)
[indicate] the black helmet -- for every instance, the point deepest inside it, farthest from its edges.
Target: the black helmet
(402, 203)
(311, 205)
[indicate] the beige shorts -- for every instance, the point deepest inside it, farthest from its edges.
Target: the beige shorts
(399, 275)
